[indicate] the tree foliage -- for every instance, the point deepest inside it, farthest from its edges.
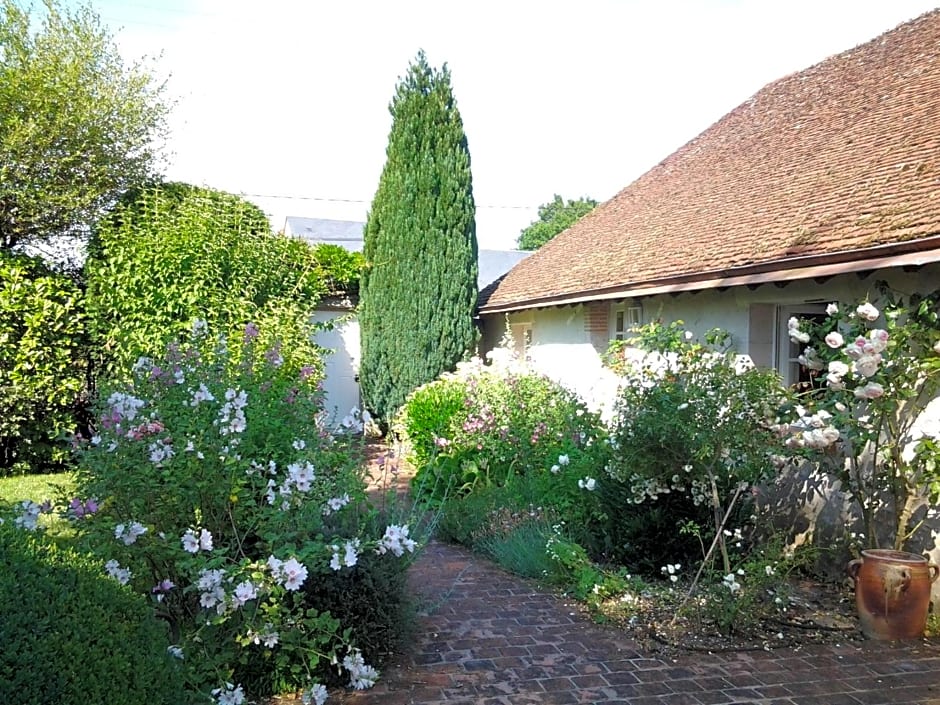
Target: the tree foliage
(171, 253)
(77, 125)
(42, 363)
(554, 217)
(418, 290)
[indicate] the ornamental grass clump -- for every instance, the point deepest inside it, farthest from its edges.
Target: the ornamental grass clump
(869, 413)
(211, 489)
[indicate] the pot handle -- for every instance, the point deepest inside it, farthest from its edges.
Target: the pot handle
(934, 570)
(855, 565)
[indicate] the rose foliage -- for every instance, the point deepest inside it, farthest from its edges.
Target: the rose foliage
(870, 415)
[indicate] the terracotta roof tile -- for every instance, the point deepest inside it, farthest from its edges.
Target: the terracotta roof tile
(838, 158)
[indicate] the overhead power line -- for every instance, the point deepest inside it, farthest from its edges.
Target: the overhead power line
(359, 200)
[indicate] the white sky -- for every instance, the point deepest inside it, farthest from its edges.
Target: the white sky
(290, 97)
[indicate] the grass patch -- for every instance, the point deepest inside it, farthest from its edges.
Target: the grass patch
(35, 487)
(521, 550)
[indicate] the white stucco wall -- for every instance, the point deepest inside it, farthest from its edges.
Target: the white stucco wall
(342, 363)
(561, 346)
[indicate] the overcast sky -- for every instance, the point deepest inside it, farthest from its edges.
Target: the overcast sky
(289, 98)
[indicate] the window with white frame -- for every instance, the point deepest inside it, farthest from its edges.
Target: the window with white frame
(787, 351)
(623, 319)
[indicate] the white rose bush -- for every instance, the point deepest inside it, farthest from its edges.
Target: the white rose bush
(874, 370)
(211, 488)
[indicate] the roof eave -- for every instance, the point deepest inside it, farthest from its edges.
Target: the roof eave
(912, 253)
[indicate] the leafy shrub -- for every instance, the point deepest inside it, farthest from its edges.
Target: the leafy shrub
(73, 636)
(373, 599)
(341, 268)
(512, 421)
(42, 364)
(694, 419)
(217, 494)
(648, 535)
(173, 252)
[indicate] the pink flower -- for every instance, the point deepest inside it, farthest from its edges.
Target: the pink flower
(867, 312)
(834, 340)
(872, 390)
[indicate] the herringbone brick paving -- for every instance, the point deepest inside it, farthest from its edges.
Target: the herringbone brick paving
(488, 638)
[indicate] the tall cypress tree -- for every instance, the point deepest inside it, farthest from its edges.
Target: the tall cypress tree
(419, 287)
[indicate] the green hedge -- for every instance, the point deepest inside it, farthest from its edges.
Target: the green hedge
(73, 636)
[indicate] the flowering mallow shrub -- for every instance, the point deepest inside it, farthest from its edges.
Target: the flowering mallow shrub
(874, 371)
(693, 431)
(485, 424)
(211, 489)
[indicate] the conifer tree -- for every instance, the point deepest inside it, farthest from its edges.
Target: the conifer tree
(419, 287)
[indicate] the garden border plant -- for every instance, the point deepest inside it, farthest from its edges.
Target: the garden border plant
(210, 489)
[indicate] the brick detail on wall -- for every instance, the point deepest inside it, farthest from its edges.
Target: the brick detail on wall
(597, 324)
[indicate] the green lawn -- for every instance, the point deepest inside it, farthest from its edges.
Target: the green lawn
(35, 487)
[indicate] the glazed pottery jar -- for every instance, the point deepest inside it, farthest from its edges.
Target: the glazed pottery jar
(892, 593)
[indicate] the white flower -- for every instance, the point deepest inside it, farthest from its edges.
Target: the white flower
(832, 309)
(936, 347)
(190, 542)
(731, 583)
(129, 534)
(212, 592)
(334, 504)
(200, 395)
(835, 340)
(229, 695)
(290, 573)
(244, 592)
(587, 483)
(361, 676)
(113, 569)
(670, 570)
(301, 476)
(868, 312)
(838, 368)
(29, 515)
(350, 555)
(199, 327)
(396, 540)
(563, 460)
(160, 451)
(769, 570)
(205, 540)
(299, 444)
(866, 365)
(125, 406)
(314, 695)
(175, 651)
(555, 469)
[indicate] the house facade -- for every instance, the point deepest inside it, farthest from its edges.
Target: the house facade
(822, 184)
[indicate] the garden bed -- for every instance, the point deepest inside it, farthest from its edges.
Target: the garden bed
(817, 613)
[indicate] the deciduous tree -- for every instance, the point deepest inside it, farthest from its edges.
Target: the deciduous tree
(77, 125)
(555, 216)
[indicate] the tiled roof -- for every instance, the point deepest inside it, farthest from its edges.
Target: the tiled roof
(832, 163)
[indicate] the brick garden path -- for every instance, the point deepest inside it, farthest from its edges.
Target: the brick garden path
(485, 637)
